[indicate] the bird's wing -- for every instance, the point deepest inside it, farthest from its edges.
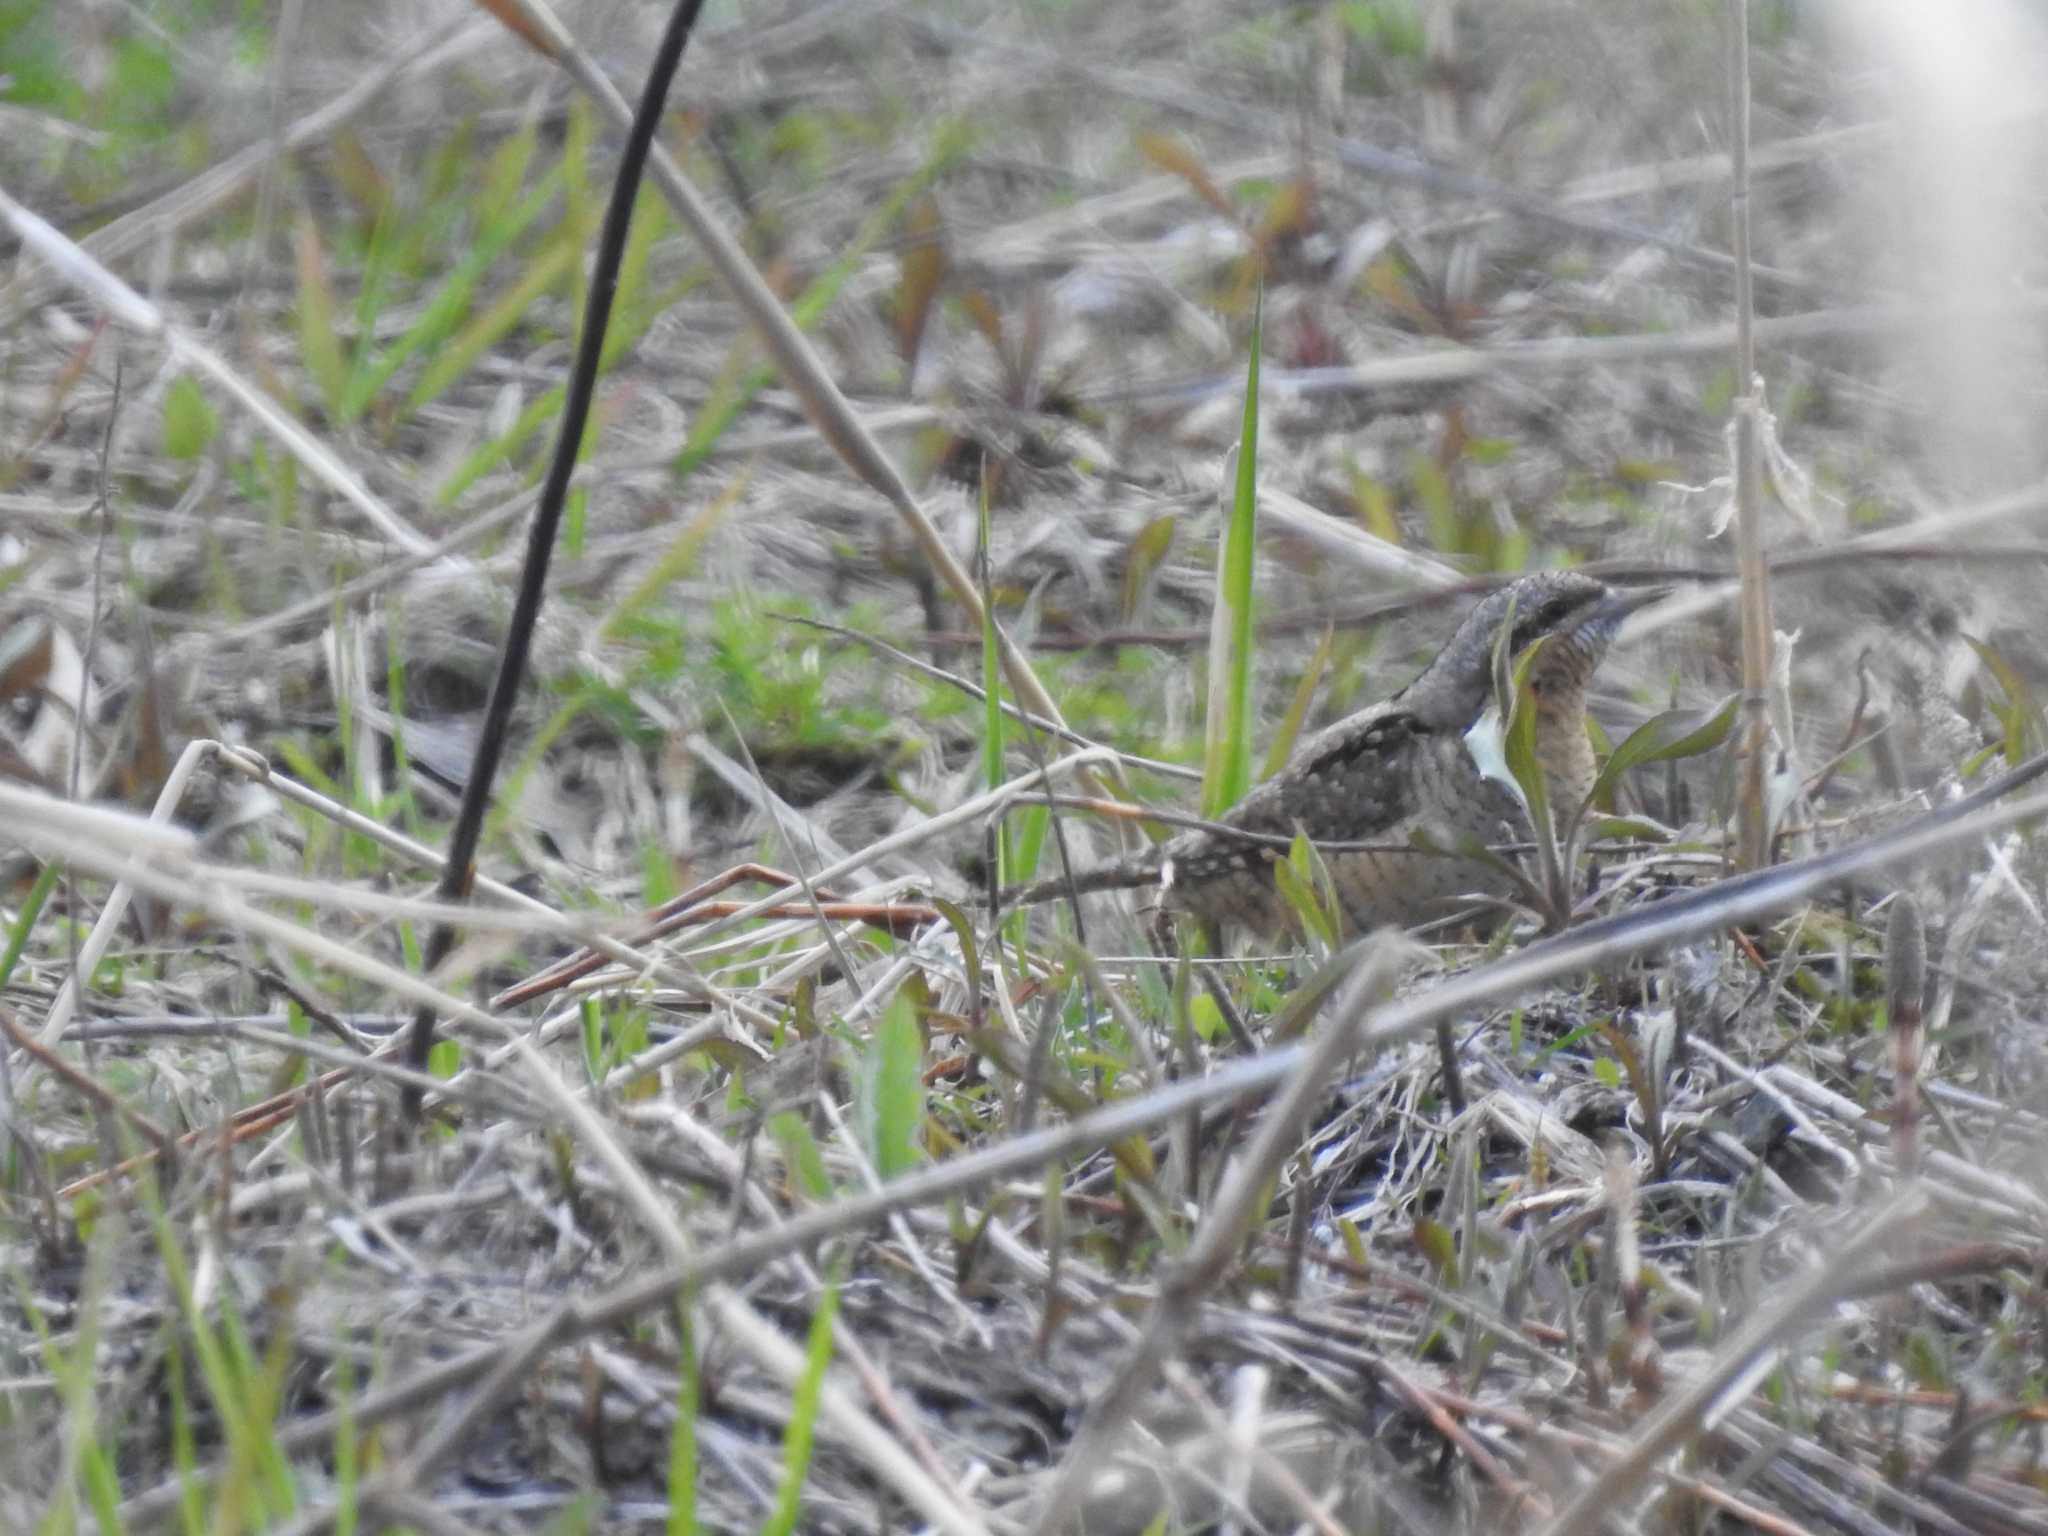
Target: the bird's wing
(1353, 782)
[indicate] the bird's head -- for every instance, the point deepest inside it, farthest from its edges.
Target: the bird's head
(1575, 615)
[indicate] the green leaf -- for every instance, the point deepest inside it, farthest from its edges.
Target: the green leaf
(1516, 747)
(506, 172)
(678, 560)
(1676, 733)
(1642, 829)
(893, 1097)
(1227, 730)
(499, 449)
(189, 422)
(963, 930)
(1296, 877)
(143, 82)
(1438, 1246)
(1519, 742)
(1641, 1083)
(1390, 26)
(1470, 847)
(628, 1027)
(1502, 659)
(1974, 763)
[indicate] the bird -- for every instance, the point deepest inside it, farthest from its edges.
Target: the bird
(1401, 775)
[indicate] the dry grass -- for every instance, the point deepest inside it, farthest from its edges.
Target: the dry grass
(828, 1206)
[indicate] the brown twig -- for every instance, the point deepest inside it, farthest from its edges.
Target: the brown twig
(695, 906)
(158, 1138)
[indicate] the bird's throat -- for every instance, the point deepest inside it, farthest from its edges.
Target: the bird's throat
(1563, 752)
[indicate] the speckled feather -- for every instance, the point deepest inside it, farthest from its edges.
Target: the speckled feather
(1382, 776)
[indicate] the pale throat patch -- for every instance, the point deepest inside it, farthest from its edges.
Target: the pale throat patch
(1486, 743)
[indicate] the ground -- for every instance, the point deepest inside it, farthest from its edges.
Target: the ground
(860, 1211)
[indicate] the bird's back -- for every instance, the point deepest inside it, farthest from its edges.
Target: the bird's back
(1382, 776)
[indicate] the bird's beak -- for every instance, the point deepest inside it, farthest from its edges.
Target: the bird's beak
(1603, 620)
(1611, 611)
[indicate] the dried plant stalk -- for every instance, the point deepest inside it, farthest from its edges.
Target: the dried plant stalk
(1753, 741)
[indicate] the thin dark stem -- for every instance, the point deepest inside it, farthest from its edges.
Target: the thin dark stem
(460, 870)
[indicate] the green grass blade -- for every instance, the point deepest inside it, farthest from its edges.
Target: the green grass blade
(506, 174)
(558, 261)
(629, 320)
(580, 204)
(451, 302)
(381, 259)
(682, 1445)
(492, 454)
(24, 924)
(190, 424)
(1305, 883)
(1028, 840)
(256, 1486)
(90, 1471)
(992, 693)
(2020, 718)
(629, 324)
(1227, 736)
(348, 1450)
(675, 562)
(319, 343)
(893, 1090)
(1520, 741)
(566, 714)
(1519, 746)
(803, 1418)
(185, 1444)
(1282, 745)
